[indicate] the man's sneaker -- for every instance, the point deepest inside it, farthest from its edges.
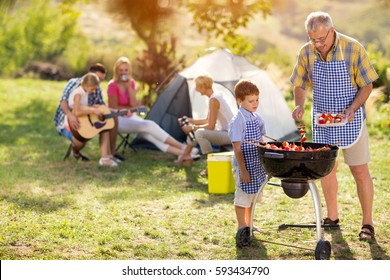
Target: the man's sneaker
(118, 158)
(80, 156)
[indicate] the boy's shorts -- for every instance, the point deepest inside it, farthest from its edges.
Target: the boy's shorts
(359, 153)
(241, 198)
(245, 200)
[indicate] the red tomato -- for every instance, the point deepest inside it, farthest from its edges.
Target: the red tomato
(329, 118)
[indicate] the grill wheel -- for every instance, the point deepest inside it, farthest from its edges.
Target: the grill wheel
(243, 237)
(323, 250)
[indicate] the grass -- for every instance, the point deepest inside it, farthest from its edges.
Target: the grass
(148, 208)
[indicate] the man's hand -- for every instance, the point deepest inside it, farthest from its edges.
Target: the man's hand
(129, 113)
(73, 121)
(350, 114)
(299, 97)
(297, 113)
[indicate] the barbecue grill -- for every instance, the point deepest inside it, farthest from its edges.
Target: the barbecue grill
(297, 171)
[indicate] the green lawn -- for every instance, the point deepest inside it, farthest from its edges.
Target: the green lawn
(148, 208)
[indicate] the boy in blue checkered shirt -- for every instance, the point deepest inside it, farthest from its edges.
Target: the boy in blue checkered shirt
(248, 171)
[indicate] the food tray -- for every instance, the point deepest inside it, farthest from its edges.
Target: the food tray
(343, 122)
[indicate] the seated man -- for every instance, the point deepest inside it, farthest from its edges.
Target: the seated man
(63, 110)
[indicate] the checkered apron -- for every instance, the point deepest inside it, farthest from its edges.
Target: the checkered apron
(252, 158)
(333, 92)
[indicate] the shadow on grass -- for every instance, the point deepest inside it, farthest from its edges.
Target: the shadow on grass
(255, 251)
(31, 121)
(340, 248)
(213, 199)
(199, 182)
(38, 203)
(377, 252)
(342, 251)
(37, 151)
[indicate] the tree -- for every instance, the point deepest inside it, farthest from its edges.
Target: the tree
(153, 66)
(223, 19)
(147, 19)
(6, 4)
(151, 20)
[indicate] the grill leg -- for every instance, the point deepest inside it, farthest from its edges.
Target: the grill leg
(317, 206)
(254, 204)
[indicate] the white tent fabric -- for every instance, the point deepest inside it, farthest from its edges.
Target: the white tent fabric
(200, 103)
(222, 65)
(226, 69)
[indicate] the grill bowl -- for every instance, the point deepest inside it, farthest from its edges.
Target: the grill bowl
(294, 189)
(298, 166)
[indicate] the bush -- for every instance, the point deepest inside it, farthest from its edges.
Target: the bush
(382, 66)
(34, 31)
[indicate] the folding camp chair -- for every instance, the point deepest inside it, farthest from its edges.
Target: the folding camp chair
(125, 143)
(225, 148)
(67, 154)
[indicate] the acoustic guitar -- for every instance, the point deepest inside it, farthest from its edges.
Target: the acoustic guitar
(92, 124)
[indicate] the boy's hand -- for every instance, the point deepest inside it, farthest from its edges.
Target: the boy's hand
(245, 177)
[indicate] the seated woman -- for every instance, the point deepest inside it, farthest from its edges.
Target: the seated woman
(78, 103)
(122, 96)
(213, 129)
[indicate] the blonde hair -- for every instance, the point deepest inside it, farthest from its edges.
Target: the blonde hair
(204, 81)
(244, 88)
(121, 60)
(90, 80)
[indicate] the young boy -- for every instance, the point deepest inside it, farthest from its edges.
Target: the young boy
(247, 169)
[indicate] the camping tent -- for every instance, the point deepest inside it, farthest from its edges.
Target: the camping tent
(180, 98)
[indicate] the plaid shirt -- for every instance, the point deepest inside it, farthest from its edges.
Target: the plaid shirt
(345, 48)
(93, 98)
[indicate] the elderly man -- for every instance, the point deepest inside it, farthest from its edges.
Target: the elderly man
(337, 69)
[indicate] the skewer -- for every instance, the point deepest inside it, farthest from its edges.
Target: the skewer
(273, 139)
(253, 139)
(250, 143)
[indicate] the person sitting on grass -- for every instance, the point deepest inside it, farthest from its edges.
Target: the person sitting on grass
(248, 172)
